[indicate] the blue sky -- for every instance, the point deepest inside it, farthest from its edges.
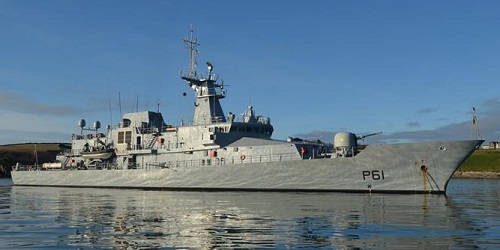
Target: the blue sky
(411, 69)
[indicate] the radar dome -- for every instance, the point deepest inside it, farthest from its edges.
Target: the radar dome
(97, 124)
(344, 140)
(81, 123)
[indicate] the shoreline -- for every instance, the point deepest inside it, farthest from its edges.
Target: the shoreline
(476, 175)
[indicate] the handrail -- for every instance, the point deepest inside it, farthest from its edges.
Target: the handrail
(214, 161)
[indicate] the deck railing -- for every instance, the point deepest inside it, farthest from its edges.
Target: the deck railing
(213, 161)
(217, 161)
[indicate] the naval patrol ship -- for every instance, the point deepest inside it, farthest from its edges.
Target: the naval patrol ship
(225, 152)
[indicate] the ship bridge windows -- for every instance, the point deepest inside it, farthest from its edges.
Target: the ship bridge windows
(218, 129)
(255, 129)
(125, 137)
(128, 137)
(125, 123)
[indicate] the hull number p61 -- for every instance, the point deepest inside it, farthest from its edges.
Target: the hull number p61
(373, 175)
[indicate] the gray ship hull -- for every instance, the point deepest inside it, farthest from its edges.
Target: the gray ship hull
(402, 168)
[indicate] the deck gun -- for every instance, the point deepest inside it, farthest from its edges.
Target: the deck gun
(362, 137)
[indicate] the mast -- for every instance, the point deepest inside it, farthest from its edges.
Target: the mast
(191, 45)
(475, 125)
(207, 106)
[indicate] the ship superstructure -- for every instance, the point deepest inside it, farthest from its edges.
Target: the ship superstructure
(226, 152)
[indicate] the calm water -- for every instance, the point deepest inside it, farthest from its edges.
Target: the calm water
(60, 218)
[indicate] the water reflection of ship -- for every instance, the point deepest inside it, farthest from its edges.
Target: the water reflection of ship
(139, 219)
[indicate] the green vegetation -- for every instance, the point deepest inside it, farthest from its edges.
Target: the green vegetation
(25, 154)
(29, 147)
(483, 161)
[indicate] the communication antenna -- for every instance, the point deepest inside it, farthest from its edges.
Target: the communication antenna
(191, 44)
(110, 110)
(120, 103)
(475, 126)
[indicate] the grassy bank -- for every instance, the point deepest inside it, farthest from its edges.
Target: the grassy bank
(482, 161)
(25, 154)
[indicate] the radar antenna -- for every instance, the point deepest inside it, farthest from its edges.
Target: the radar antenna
(475, 125)
(191, 44)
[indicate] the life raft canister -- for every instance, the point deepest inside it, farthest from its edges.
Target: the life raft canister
(160, 140)
(303, 150)
(213, 153)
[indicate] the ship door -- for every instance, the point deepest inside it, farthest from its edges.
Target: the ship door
(132, 162)
(138, 142)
